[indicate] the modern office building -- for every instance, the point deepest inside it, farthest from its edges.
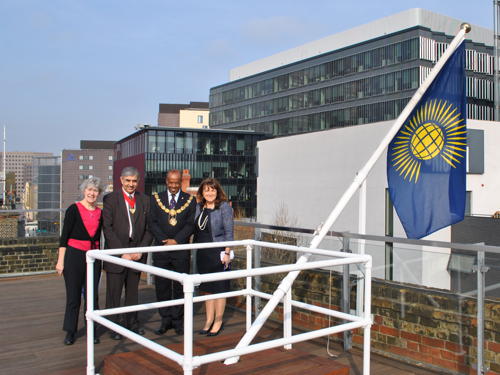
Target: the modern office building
(227, 155)
(359, 76)
(20, 163)
(46, 188)
(94, 158)
(192, 115)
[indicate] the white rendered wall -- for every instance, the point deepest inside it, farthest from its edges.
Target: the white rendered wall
(308, 173)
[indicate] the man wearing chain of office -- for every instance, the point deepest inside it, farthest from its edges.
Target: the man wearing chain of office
(172, 222)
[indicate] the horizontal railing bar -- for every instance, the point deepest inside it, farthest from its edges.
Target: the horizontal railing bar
(225, 275)
(400, 240)
(219, 356)
(138, 338)
(314, 308)
(172, 302)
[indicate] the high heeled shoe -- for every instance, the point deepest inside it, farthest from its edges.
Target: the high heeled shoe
(211, 334)
(205, 331)
(69, 339)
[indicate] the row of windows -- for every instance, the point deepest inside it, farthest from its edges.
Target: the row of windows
(479, 88)
(200, 143)
(475, 87)
(372, 86)
(326, 120)
(479, 112)
(91, 167)
(91, 157)
(85, 176)
(376, 58)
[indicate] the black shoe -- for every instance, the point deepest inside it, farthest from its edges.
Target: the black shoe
(205, 331)
(179, 331)
(163, 328)
(139, 331)
(115, 336)
(69, 339)
(216, 333)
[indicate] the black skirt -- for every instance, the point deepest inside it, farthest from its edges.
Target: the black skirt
(208, 260)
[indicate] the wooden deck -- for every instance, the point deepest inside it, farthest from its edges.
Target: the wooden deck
(31, 337)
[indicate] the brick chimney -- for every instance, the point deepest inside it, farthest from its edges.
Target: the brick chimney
(186, 180)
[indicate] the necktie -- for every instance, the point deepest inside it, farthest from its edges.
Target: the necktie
(172, 202)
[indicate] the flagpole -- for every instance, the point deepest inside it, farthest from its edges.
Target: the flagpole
(288, 280)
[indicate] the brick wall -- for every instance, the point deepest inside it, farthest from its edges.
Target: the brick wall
(25, 255)
(425, 327)
(8, 226)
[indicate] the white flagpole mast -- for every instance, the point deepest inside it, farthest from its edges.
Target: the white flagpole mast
(287, 281)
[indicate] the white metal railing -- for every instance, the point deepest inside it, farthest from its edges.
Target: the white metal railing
(189, 281)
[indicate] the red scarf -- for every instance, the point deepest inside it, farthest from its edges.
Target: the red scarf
(130, 201)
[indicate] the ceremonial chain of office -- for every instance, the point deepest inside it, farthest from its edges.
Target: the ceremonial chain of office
(172, 213)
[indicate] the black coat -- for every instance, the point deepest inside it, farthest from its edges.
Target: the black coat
(116, 225)
(159, 221)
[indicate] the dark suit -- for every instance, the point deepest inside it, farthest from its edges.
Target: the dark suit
(177, 261)
(116, 232)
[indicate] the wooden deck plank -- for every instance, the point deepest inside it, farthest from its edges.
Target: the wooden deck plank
(31, 336)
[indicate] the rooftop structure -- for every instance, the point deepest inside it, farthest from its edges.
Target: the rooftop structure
(363, 75)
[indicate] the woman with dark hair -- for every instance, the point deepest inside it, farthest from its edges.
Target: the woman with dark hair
(81, 232)
(213, 223)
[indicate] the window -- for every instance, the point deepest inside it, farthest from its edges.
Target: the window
(91, 167)
(110, 157)
(80, 157)
(80, 167)
(199, 119)
(91, 157)
(110, 167)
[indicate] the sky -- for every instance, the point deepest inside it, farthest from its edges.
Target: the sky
(94, 69)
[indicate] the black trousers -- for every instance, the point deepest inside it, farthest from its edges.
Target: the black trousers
(75, 279)
(115, 282)
(167, 289)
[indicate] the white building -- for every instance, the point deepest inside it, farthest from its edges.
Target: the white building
(308, 173)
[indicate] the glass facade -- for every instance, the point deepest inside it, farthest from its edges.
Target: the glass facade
(47, 182)
(360, 84)
(228, 156)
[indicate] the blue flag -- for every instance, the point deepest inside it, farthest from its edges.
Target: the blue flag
(426, 158)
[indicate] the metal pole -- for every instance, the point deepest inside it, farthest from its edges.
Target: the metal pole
(481, 273)
(368, 318)
(4, 177)
(248, 310)
(90, 322)
(496, 60)
(346, 294)
(362, 230)
(257, 282)
(188, 288)
(287, 317)
(288, 280)
(389, 232)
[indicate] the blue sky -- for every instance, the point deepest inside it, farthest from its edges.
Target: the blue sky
(93, 69)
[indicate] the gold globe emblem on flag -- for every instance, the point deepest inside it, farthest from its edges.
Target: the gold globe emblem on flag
(436, 129)
(427, 141)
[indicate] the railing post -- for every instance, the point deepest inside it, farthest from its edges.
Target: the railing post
(90, 322)
(188, 288)
(287, 317)
(481, 270)
(257, 280)
(248, 310)
(149, 261)
(346, 294)
(367, 316)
